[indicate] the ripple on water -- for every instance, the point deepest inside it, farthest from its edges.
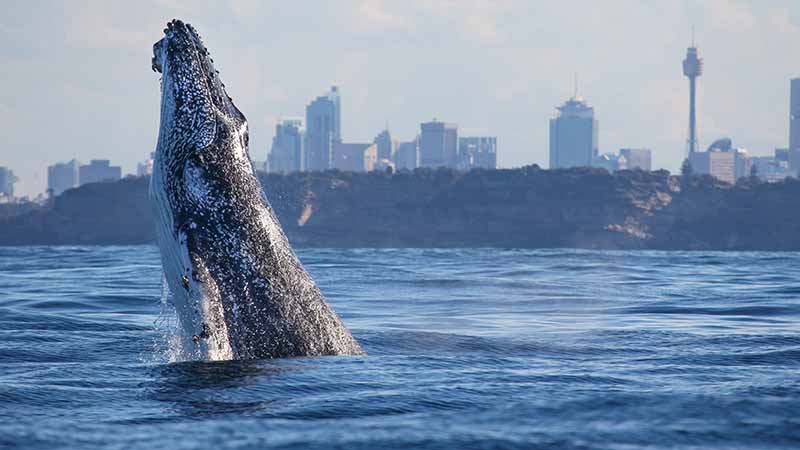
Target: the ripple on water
(473, 348)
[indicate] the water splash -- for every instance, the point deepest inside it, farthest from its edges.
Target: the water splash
(168, 342)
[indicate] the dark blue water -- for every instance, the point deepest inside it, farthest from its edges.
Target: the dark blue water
(467, 349)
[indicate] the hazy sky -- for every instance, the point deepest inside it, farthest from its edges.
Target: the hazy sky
(77, 80)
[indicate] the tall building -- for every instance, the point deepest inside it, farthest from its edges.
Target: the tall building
(793, 152)
(323, 129)
(62, 176)
(386, 145)
(407, 155)
(692, 68)
(98, 170)
(286, 154)
(478, 152)
(794, 114)
(573, 135)
(7, 180)
(794, 161)
(637, 158)
(438, 144)
(355, 157)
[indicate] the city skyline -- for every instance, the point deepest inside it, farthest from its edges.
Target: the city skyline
(408, 62)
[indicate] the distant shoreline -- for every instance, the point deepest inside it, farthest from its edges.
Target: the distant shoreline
(516, 208)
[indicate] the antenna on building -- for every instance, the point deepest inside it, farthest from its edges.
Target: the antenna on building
(693, 36)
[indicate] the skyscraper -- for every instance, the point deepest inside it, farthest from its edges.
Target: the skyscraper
(794, 114)
(794, 127)
(286, 154)
(62, 176)
(7, 180)
(692, 68)
(438, 145)
(323, 129)
(573, 135)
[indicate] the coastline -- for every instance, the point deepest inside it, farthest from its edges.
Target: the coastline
(514, 208)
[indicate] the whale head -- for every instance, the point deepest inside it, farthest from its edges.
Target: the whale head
(196, 110)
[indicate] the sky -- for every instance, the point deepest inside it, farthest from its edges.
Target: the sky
(77, 81)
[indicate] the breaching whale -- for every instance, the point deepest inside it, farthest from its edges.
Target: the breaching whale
(239, 290)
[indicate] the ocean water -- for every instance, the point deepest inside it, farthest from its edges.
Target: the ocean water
(475, 348)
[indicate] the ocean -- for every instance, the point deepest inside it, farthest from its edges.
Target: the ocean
(467, 348)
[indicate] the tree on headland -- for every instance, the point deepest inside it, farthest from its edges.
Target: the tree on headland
(686, 168)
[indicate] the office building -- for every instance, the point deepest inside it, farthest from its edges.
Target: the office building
(286, 154)
(355, 157)
(794, 114)
(323, 129)
(771, 168)
(98, 170)
(407, 155)
(386, 145)
(478, 152)
(637, 158)
(438, 144)
(7, 180)
(573, 135)
(718, 164)
(63, 176)
(722, 161)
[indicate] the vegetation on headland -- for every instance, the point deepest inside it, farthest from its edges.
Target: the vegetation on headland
(526, 207)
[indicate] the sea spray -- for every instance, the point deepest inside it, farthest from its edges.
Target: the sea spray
(168, 342)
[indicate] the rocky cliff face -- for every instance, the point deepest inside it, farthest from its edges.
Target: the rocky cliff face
(526, 207)
(516, 208)
(709, 215)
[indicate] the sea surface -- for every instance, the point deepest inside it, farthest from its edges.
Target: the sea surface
(468, 348)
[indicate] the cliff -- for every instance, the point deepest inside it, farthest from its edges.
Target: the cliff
(526, 207)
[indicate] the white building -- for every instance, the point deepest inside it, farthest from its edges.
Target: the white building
(145, 168)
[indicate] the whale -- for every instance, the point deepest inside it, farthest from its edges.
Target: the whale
(238, 288)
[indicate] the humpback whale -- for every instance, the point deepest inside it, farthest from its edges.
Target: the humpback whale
(239, 290)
